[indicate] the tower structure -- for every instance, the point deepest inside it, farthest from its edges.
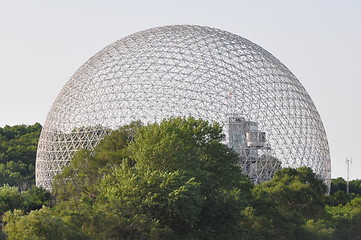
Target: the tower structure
(255, 155)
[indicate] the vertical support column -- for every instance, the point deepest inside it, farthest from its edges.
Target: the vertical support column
(348, 161)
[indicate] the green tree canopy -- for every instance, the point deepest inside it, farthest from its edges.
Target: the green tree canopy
(285, 203)
(39, 225)
(297, 190)
(11, 199)
(175, 180)
(342, 222)
(177, 176)
(18, 146)
(81, 178)
(346, 220)
(339, 195)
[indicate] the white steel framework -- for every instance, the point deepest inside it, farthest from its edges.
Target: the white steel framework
(188, 71)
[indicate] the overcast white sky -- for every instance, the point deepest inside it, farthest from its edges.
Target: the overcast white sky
(42, 43)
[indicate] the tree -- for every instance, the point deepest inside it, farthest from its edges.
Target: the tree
(10, 199)
(297, 190)
(194, 148)
(168, 201)
(338, 194)
(35, 198)
(346, 220)
(355, 186)
(340, 198)
(338, 184)
(17, 154)
(38, 225)
(342, 222)
(81, 178)
(283, 205)
(174, 180)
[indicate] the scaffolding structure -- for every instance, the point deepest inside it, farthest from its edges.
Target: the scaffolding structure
(255, 157)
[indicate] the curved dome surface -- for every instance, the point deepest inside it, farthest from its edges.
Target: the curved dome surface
(187, 71)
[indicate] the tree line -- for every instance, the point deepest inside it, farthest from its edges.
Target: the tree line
(172, 180)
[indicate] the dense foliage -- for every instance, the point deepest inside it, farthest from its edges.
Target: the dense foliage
(17, 170)
(339, 193)
(12, 199)
(17, 154)
(176, 180)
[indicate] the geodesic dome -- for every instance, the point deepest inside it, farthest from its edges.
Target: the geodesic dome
(188, 71)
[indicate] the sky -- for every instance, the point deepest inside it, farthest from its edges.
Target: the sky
(43, 43)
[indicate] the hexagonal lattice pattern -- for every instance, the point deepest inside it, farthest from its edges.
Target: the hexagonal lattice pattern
(183, 71)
